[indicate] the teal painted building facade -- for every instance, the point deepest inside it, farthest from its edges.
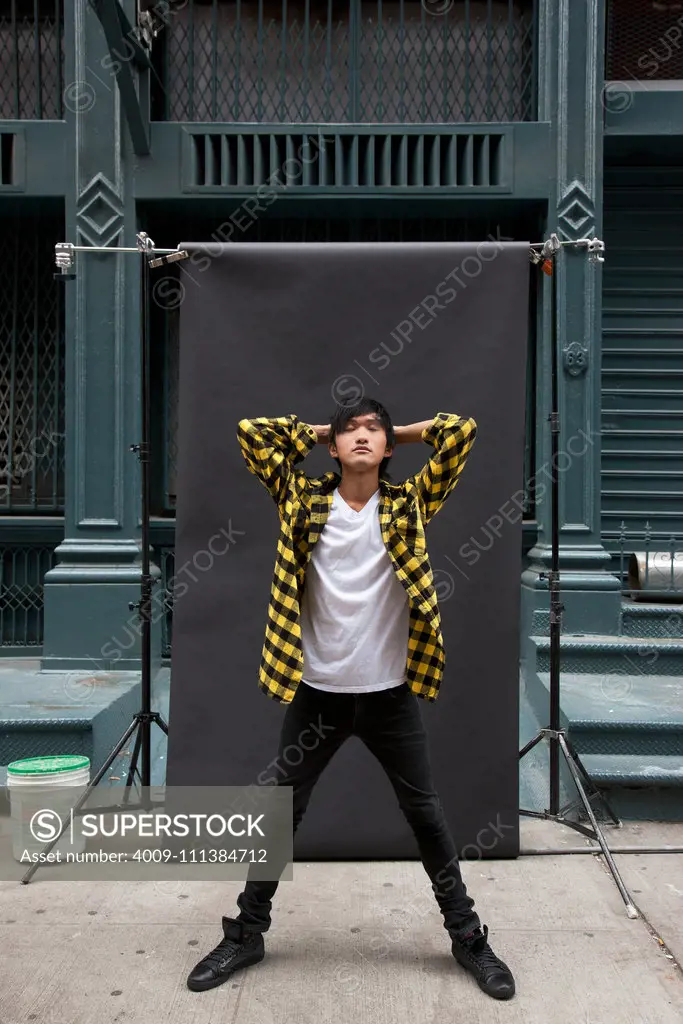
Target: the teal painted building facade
(359, 120)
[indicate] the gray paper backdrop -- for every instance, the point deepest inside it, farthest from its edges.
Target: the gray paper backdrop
(268, 329)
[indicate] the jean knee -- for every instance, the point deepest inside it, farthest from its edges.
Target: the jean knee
(424, 812)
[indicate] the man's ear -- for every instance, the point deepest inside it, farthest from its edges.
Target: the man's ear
(332, 448)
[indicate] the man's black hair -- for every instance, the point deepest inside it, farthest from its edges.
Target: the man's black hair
(343, 413)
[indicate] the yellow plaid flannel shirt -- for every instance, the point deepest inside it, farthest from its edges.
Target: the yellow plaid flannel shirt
(272, 447)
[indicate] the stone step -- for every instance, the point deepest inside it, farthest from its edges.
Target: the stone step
(622, 655)
(621, 715)
(51, 713)
(643, 620)
(639, 786)
(629, 731)
(611, 770)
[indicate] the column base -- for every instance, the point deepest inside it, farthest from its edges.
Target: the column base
(88, 624)
(591, 596)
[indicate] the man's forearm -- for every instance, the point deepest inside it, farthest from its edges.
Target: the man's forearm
(268, 440)
(322, 431)
(412, 432)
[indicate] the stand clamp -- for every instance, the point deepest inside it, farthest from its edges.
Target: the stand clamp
(142, 449)
(64, 259)
(553, 734)
(596, 249)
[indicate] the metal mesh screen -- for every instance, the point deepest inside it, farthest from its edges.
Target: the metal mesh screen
(365, 61)
(22, 570)
(31, 368)
(31, 59)
(644, 40)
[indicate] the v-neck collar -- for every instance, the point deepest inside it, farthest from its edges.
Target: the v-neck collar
(356, 511)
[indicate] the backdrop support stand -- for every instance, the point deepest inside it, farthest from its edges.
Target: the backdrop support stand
(540, 253)
(141, 724)
(556, 736)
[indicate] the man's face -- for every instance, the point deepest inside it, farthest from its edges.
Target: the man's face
(362, 443)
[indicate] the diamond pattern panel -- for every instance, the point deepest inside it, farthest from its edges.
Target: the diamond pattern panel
(100, 212)
(225, 65)
(364, 61)
(576, 213)
(31, 369)
(416, 67)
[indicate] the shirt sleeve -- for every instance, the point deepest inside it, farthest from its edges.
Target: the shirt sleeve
(272, 447)
(452, 438)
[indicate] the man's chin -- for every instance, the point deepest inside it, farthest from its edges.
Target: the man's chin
(364, 460)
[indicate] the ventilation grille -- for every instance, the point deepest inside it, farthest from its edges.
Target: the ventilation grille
(464, 160)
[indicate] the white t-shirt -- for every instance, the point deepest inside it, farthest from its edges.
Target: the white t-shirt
(354, 610)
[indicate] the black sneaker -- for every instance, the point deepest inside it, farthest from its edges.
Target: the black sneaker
(239, 948)
(493, 976)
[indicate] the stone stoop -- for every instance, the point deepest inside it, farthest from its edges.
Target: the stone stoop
(627, 728)
(51, 713)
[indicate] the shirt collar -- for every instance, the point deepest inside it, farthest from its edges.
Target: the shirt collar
(330, 480)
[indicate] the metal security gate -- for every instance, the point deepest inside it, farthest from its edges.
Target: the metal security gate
(31, 59)
(31, 368)
(365, 61)
(642, 365)
(32, 440)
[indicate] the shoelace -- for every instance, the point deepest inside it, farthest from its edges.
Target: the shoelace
(222, 954)
(484, 955)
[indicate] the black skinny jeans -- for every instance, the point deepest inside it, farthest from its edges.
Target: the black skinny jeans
(390, 724)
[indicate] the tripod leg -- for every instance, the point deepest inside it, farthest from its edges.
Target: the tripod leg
(625, 895)
(531, 744)
(133, 766)
(84, 795)
(154, 717)
(589, 784)
(160, 722)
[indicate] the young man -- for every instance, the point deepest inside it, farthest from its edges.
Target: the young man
(353, 639)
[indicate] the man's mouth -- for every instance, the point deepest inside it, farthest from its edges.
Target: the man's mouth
(361, 449)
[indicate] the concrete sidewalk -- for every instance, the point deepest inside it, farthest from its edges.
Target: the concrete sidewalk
(361, 943)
